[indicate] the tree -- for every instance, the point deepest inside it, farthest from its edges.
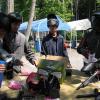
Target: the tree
(2, 6)
(23, 6)
(10, 5)
(98, 5)
(61, 8)
(32, 11)
(84, 8)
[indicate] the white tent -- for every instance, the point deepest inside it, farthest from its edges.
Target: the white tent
(79, 25)
(83, 24)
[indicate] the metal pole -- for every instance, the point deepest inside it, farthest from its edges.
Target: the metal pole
(76, 9)
(95, 6)
(72, 7)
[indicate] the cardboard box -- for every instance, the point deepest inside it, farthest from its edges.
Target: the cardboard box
(53, 65)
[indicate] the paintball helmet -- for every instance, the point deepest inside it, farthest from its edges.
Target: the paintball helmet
(52, 20)
(4, 22)
(15, 17)
(96, 19)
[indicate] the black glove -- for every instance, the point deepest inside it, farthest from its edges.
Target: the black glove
(17, 62)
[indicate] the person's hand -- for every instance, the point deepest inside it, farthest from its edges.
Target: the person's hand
(35, 62)
(2, 67)
(65, 45)
(69, 65)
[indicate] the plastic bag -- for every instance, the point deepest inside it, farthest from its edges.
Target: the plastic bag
(15, 85)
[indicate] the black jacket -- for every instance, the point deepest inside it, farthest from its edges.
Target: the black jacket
(53, 46)
(90, 44)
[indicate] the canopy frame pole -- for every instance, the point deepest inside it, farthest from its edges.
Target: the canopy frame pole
(76, 39)
(70, 40)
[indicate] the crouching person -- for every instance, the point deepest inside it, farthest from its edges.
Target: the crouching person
(48, 86)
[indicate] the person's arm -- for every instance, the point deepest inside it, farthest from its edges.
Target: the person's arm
(82, 48)
(30, 55)
(65, 52)
(43, 48)
(66, 55)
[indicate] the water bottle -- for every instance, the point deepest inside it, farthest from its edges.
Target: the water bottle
(1, 73)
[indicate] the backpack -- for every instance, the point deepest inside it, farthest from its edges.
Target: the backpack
(48, 86)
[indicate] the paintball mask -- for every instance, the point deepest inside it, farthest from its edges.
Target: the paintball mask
(52, 20)
(96, 21)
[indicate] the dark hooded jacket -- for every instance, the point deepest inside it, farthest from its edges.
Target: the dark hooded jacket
(90, 44)
(53, 46)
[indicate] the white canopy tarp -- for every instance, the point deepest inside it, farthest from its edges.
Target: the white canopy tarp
(79, 25)
(83, 24)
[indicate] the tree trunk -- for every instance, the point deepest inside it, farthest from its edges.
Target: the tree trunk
(10, 6)
(29, 27)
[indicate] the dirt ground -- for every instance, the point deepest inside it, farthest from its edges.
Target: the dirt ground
(68, 88)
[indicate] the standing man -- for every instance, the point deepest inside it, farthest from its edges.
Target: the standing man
(53, 43)
(15, 43)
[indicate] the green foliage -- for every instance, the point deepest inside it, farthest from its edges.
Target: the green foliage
(75, 34)
(84, 8)
(59, 7)
(3, 5)
(53, 6)
(23, 6)
(98, 1)
(43, 7)
(98, 5)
